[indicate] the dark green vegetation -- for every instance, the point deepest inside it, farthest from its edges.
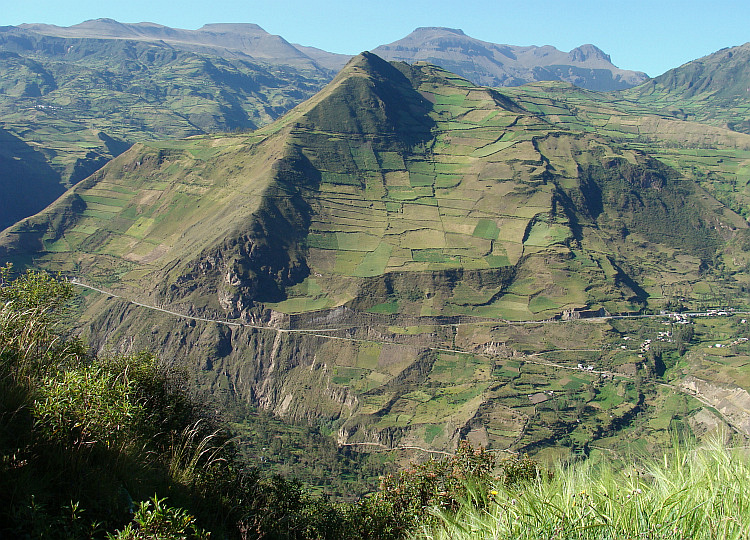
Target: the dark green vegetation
(117, 446)
(79, 434)
(408, 260)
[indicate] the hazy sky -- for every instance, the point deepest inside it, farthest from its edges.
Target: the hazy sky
(645, 35)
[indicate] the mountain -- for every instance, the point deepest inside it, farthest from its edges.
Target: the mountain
(358, 264)
(490, 64)
(711, 89)
(225, 40)
(333, 61)
(82, 94)
(82, 97)
(402, 148)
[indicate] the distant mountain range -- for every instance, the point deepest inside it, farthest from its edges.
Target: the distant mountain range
(484, 63)
(225, 40)
(490, 64)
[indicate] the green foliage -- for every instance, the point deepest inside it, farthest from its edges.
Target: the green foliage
(405, 497)
(91, 430)
(154, 520)
(515, 470)
(35, 291)
(29, 342)
(683, 334)
(84, 407)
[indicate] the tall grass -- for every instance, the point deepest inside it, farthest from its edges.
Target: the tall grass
(703, 493)
(94, 433)
(195, 450)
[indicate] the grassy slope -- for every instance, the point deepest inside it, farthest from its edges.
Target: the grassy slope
(80, 102)
(690, 494)
(712, 90)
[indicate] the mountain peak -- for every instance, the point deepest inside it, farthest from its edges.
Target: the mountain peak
(100, 21)
(233, 28)
(104, 27)
(368, 61)
(371, 96)
(492, 64)
(440, 29)
(588, 52)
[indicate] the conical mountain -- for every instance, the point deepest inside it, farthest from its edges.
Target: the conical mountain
(353, 264)
(394, 178)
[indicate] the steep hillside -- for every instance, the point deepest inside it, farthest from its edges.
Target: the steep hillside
(712, 89)
(79, 101)
(491, 64)
(27, 180)
(714, 157)
(355, 264)
(391, 171)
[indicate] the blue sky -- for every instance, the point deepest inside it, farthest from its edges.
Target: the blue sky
(651, 36)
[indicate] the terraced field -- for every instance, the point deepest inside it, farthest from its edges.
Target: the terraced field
(74, 111)
(371, 248)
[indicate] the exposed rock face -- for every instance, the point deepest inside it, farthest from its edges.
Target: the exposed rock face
(732, 402)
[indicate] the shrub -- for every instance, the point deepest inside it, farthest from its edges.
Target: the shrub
(404, 498)
(515, 470)
(84, 407)
(153, 520)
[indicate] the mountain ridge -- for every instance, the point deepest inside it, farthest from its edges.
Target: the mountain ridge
(376, 104)
(712, 89)
(80, 102)
(490, 64)
(246, 39)
(422, 44)
(60, 87)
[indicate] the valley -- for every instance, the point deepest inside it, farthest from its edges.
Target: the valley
(523, 381)
(405, 259)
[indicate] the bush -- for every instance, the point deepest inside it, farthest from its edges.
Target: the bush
(404, 498)
(84, 407)
(516, 470)
(155, 521)
(96, 431)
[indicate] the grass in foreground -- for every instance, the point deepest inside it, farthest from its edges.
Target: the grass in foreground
(698, 494)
